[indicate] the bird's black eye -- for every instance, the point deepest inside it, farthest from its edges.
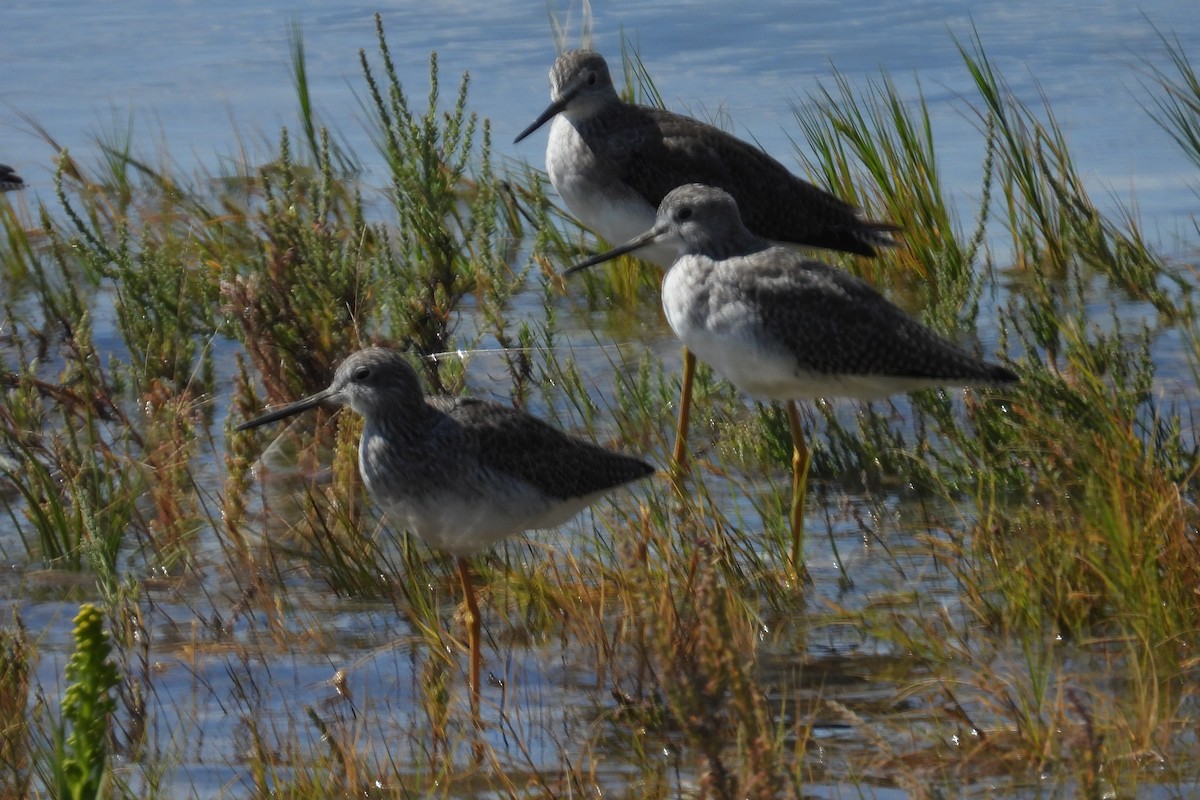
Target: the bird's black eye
(683, 214)
(591, 79)
(362, 373)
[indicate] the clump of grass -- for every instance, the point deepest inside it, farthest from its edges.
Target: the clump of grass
(76, 489)
(454, 229)
(164, 311)
(1177, 106)
(80, 765)
(16, 663)
(879, 138)
(299, 303)
(1053, 223)
(705, 666)
(1106, 480)
(1082, 481)
(81, 490)
(17, 254)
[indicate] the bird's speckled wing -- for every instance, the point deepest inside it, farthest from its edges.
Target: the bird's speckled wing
(654, 151)
(559, 465)
(834, 323)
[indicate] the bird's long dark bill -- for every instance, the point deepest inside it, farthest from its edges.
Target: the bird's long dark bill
(543, 118)
(291, 409)
(636, 243)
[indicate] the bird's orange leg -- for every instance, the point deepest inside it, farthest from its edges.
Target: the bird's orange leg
(679, 463)
(473, 654)
(800, 462)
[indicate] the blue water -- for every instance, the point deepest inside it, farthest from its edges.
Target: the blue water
(190, 74)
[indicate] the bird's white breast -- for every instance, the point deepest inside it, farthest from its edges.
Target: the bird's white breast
(594, 195)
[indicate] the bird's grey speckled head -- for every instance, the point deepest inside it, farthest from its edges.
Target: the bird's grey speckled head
(701, 219)
(697, 220)
(580, 73)
(580, 85)
(374, 382)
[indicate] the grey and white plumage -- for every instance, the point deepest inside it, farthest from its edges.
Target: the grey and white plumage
(10, 181)
(613, 162)
(785, 327)
(459, 472)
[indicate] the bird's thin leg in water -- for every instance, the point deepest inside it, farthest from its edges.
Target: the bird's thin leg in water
(800, 462)
(464, 573)
(679, 462)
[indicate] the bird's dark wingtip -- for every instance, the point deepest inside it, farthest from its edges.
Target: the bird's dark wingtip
(878, 236)
(863, 239)
(1003, 376)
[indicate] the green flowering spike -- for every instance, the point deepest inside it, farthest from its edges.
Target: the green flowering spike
(86, 707)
